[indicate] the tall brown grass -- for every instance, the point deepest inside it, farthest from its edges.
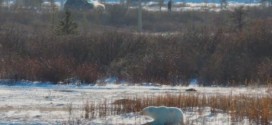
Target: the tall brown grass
(256, 108)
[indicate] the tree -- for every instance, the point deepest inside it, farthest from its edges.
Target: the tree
(223, 4)
(161, 4)
(238, 18)
(1, 3)
(66, 26)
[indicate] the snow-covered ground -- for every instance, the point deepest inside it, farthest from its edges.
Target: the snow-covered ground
(45, 103)
(153, 6)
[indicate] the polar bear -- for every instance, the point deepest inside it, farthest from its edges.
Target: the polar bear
(165, 115)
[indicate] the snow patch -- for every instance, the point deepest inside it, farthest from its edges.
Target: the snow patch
(124, 119)
(193, 83)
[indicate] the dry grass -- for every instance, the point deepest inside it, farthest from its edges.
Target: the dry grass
(256, 108)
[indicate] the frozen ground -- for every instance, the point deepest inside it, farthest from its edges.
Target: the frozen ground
(45, 103)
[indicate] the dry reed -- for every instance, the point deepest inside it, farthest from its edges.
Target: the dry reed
(256, 108)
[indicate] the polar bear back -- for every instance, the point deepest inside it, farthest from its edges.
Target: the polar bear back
(165, 115)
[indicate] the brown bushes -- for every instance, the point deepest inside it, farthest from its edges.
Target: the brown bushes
(54, 70)
(208, 53)
(166, 59)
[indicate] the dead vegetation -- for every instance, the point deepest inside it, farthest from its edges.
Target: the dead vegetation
(256, 108)
(174, 48)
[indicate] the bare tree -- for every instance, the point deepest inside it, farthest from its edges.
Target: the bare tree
(61, 4)
(161, 4)
(223, 4)
(128, 2)
(140, 23)
(1, 3)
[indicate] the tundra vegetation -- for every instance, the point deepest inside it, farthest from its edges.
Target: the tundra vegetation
(221, 48)
(226, 47)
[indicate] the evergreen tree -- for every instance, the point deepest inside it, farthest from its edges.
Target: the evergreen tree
(67, 26)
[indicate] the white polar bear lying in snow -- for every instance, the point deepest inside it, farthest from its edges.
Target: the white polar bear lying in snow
(165, 115)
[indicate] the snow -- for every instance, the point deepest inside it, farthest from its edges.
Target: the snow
(193, 83)
(199, 6)
(204, 116)
(25, 102)
(128, 119)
